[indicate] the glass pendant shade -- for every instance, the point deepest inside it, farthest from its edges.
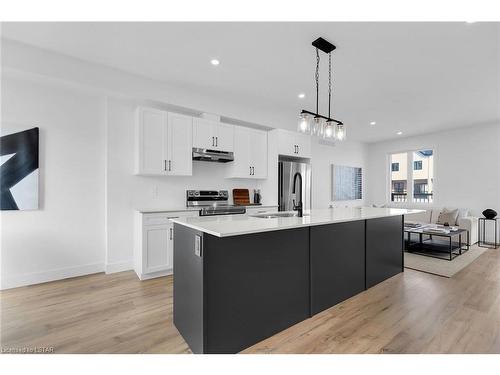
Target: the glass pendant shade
(329, 130)
(304, 124)
(321, 133)
(340, 132)
(316, 126)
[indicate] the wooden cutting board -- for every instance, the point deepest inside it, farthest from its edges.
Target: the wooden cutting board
(241, 197)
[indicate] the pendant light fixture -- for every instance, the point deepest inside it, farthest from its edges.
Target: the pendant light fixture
(312, 122)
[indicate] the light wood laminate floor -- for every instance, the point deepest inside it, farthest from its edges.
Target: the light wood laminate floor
(412, 312)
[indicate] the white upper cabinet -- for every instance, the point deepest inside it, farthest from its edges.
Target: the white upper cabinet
(250, 154)
(293, 144)
(164, 143)
(179, 146)
(224, 137)
(212, 135)
(149, 137)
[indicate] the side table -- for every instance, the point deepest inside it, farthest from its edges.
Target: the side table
(482, 233)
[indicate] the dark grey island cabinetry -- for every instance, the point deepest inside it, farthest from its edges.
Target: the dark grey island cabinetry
(384, 244)
(240, 280)
(337, 263)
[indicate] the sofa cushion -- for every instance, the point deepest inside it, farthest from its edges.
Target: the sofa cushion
(435, 215)
(449, 217)
(462, 213)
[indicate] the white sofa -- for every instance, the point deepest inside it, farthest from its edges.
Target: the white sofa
(463, 221)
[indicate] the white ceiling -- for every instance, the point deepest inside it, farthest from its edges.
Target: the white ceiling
(410, 77)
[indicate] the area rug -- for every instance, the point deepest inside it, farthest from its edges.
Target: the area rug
(442, 267)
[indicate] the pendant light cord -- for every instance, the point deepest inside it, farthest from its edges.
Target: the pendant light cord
(317, 81)
(329, 82)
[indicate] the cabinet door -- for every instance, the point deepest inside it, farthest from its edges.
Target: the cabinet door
(258, 147)
(240, 167)
(203, 134)
(170, 245)
(179, 152)
(384, 249)
(151, 135)
(303, 143)
(287, 143)
(156, 256)
(337, 263)
(225, 135)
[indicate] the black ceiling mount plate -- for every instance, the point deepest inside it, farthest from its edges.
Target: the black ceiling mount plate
(323, 45)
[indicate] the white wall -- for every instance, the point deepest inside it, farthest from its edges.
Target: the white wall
(65, 237)
(467, 167)
(349, 153)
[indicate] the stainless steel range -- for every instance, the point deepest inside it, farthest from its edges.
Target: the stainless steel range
(212, 202)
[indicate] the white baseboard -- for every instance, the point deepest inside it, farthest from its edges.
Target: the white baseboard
(153, 275)
(52, 275)
(119, 266)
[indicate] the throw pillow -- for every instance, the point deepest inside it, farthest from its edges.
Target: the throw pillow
(462, 212)
(449, 217)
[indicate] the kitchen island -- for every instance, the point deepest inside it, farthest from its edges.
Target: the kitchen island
(239, 279)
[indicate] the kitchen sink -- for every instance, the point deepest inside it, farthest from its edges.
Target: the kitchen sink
(274, 215)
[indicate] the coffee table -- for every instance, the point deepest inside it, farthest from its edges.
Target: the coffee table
(429, 247)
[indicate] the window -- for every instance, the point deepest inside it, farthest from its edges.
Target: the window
(416, 186)
(399, 177)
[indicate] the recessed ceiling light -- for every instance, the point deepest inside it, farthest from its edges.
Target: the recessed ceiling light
(301, 96)
(373, 123)
(399, 133)
(214, 62)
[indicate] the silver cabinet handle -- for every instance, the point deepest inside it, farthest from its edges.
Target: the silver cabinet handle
(170, 165)
(164, 165)
(298, 149)
(250, 171)
(216, 141)
(253, 171)
(213, 141)
(171, 234)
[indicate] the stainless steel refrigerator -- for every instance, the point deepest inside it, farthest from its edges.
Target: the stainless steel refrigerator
(286, 172)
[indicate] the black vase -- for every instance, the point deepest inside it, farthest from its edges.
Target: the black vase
(489, 213)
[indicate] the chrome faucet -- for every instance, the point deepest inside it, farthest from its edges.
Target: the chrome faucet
(297, 207)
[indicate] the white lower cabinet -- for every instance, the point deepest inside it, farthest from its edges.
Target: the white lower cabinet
(154, 243)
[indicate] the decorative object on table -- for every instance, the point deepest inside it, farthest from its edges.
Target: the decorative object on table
(324, 127)
(482, 234)
(19, 170)
(347, 183)
(256, 196)
(489, 213)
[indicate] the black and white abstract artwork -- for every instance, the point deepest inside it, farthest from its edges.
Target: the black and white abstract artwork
(19, 170)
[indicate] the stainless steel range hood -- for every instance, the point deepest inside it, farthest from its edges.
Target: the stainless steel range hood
(212, 155)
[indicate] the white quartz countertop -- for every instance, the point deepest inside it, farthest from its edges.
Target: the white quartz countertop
(233, 225)
(185, 209)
